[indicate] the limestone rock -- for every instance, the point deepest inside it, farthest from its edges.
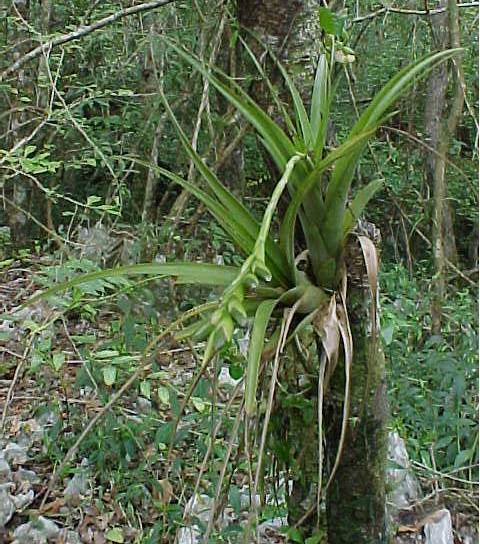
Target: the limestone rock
(405, 488)
(5, 472)
(22, 500)
(438, 528)
(76, 488)
(15, 454)
(38, 531)
(7, 507)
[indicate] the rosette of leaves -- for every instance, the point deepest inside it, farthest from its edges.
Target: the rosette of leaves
(271, 286)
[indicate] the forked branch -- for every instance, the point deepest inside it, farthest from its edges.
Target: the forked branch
(80, 32)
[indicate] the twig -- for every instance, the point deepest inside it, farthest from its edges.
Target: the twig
(19, 369)
(80, 32)
(57, 237)
(444, 475)
(144, 363)
(223, 470)
(79, 355)
(182, 199)
(403, 11)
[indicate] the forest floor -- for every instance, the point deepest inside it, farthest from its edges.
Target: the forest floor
(114, 489)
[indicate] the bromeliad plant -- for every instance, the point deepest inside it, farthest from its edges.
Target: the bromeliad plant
(273, 284)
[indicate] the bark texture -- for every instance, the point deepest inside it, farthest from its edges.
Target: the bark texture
(446, 33)
(356, 497)
(290, 29)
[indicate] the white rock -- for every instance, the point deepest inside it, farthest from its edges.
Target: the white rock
(69, 537)
(275, 525)
(22, 476)
(47, 419)
(76, 487)
(7, 507)
(143, 405)
(438, 529)
(38, 531)
(34, 430)
(5, 472)
(244, 343)
(15, 454)
(200, 507)
(404, 485)
(224, 378)
(21, 501)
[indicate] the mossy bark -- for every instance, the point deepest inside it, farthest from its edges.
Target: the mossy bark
(356, 497)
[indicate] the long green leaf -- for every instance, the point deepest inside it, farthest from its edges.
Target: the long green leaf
(337, 191)
(356, 207)
(257, 342)
(226, 197)
(300, 111)
(183, 272)
(238, 234)
(234, 229)
(277, 142)
(272, 206)
(237, 213)
(273, 91)
(320, 106)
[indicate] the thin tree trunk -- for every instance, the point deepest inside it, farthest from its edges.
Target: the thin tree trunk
(23, 201)
(356, 497)
(446, 33)
(18, 189)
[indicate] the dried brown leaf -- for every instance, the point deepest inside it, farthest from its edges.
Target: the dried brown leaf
(346, 334)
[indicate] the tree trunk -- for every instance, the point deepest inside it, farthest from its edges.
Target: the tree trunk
(291, 31)
(22, 200)
(356, 497)
(18, 189)
(446, 33)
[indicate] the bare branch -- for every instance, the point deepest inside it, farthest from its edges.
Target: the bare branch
(403, 11)
(80, 32)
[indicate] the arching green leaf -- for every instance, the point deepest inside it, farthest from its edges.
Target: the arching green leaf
(257, 342)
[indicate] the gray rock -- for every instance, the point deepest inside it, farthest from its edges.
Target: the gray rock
(438, 529)
(32, 432)
(22, 500)
(97, 243)
(143, 405)
(76, 488)
(244, 343)
(47, 419)
(15, 454)
(22, 476)
(405, 488)
(271, 527)
(7, 507)
(199, 506)
(38, 531)
(5, 472)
